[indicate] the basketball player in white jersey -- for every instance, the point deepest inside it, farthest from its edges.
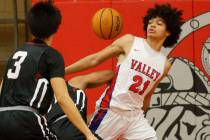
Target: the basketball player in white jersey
(140, 67)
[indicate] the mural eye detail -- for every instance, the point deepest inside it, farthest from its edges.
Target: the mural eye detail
(206, 56)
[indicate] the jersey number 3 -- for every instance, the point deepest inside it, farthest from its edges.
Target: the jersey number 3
(14, 73)
(138, 81)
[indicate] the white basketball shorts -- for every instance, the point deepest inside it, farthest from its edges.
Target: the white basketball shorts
(115, 124)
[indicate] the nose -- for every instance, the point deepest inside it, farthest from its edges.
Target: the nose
(153, 24)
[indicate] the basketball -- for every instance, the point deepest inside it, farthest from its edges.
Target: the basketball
(107, 23)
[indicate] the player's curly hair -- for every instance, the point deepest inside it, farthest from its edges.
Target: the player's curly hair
(172, 18)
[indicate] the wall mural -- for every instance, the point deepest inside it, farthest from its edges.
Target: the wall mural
(180, 106)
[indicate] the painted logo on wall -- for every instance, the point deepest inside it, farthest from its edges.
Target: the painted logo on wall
(180, 106)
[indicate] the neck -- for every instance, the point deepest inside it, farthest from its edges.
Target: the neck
(48, 41)
(154, 43)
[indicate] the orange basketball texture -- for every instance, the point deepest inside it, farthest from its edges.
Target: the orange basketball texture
(107, 23)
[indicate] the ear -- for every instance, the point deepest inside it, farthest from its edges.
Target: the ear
(168, 33)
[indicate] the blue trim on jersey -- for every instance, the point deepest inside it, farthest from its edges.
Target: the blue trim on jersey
(97, 120)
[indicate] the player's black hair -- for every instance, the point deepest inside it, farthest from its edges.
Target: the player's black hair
(43, 19)
(172, 18)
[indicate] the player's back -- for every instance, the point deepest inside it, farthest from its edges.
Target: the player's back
(79, 98)
(134, 77)
(59, 122)
(26, 82)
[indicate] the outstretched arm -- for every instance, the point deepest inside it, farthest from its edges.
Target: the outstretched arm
(94, 59)
(117, 48)
(92, 80)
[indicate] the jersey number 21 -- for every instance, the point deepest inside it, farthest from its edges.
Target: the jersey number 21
(138, 81)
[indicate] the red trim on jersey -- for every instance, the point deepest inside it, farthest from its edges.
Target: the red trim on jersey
(108, 95)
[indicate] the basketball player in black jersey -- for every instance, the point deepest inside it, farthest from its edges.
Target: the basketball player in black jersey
(34, 72)
(58, 121)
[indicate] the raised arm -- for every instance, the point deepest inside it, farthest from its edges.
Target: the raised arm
(117, 48)
(92, 80)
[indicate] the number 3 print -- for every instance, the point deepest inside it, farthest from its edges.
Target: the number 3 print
(138, 81)
(13, 74)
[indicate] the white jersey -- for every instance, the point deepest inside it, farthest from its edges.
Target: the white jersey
(134, 78)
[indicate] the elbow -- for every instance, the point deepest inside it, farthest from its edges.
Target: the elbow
(59, 99)
(94, 61)
(109, 74)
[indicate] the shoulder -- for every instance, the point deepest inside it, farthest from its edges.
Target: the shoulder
(125, 39)
(53, 54)
(128, 36)
(124, 43)
(52, 51)
(167, 67)
(55, 62)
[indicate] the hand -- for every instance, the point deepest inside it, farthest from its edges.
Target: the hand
(91, 137)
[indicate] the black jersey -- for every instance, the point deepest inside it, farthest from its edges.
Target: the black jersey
(58, 121)
(80, 100)
(27, 77)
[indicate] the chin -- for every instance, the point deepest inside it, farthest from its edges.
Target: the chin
(152, 36)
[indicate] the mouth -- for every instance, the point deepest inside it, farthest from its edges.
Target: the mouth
(151, 31)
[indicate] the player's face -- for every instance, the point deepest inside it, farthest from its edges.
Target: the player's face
(157, 28)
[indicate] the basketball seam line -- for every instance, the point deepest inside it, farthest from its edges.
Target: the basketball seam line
(100, 23)
(112, 24)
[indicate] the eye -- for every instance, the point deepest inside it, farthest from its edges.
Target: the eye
(160, 23)
(150, 21)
